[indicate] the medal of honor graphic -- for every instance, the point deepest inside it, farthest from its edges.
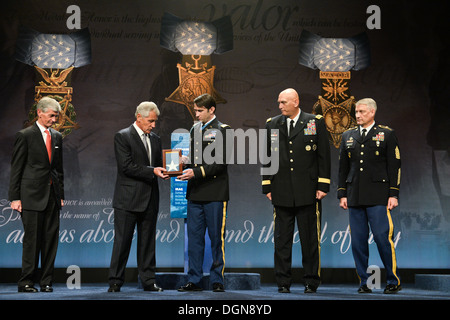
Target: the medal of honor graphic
(335, 58)
(196, 41)
(54, 56)
(195, 79)
(54, 85)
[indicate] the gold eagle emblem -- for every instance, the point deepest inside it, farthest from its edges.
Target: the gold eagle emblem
(56, 78)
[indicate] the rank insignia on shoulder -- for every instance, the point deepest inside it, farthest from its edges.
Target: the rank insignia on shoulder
(223, 125)
(351, 128)
(319, 116)
(385, 127)
(268, 120)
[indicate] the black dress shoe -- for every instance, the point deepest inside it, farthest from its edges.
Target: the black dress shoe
(218, 287)
(310, 289)
(46, 289)
(190, 287)
(114, 288)
(27, 288)
(284, 289)
(153, 287)
(392, 288)
(364, 289)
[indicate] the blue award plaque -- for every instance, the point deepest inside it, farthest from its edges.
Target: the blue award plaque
(178, 202)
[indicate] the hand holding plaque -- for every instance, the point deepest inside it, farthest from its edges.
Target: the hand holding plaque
(172, 162)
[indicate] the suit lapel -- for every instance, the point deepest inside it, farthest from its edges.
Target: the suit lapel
(40, 141)
(282, 125)
(211, 125)
(53, 137)
(370, 133)
(153, 149)
(355, 133)
(358, 137)
(300, 125)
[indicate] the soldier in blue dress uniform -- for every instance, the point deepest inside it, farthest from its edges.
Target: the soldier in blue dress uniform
(207, 194)
(369, 185)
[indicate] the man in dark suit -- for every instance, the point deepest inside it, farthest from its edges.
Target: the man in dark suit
(136, 197)
(207, 194)
(36, 190)
(369, 185)
(296, 190)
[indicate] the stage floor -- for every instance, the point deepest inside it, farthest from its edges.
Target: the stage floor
(267, 292)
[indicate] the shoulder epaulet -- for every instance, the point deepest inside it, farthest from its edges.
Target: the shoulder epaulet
(385, 127)
(223, 125)
(351, 128)
(268, 120)
(319, 116)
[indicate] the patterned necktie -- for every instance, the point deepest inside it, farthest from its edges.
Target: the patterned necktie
(147, 147)
(48, 145)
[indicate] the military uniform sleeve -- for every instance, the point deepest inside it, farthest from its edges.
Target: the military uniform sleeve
(323, 156)
(393, 164)
(344, 167)
(267, 179)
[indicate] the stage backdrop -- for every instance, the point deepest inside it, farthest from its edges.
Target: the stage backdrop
(407, 76)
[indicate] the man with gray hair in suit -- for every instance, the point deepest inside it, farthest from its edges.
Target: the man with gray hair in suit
(36, 190)
(136, 197)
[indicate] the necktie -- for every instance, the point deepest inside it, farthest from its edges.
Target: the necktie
(48, 145)
(363, 134)
(291, 128)
(147, 147)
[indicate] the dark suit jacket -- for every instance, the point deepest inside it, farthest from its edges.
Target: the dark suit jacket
(211, 179)
(304, 161)
(31, 170)
(369, 169)
(135, 181)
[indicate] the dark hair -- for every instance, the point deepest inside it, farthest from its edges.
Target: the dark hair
(205, 100)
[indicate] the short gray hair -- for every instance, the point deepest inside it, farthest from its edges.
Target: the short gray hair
(48, 103)
(369, 102)
(144, 109)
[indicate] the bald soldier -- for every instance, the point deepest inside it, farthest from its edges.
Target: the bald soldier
(296, 190)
